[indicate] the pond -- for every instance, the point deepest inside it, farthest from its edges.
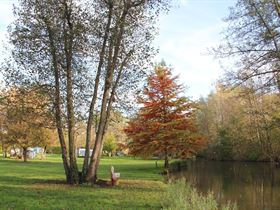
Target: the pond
(251, 185)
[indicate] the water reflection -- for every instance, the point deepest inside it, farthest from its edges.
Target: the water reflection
(253, 186)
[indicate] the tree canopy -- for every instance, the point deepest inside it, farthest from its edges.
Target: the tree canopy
(240, 124)
(26, 119)
(164, 125)
(252, 41)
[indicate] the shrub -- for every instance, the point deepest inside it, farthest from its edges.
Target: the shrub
(181, 196)
(54, 150)
(110, 144)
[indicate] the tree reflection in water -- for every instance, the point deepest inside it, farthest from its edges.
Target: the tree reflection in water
(251, 185)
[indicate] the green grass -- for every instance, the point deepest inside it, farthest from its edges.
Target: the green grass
(38, 184)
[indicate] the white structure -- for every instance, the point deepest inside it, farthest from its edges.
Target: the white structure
(31, 152)
(15, 152)
(82, 151)
(38, 150)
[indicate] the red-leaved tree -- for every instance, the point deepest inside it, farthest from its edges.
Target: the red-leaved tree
(164, 126)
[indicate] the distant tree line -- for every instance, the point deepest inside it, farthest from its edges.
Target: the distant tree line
(240, 124)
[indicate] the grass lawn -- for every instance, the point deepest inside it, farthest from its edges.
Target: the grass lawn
(38, 184)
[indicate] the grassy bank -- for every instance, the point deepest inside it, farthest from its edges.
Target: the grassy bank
(180, 195)
(38, 184)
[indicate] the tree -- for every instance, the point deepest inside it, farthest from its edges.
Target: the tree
(4, 145)
(64, 46)
(240, 124)
(27, 119)
(125, 49)
(49, 39)
(110, 144)
(252, 40)
(164, 126)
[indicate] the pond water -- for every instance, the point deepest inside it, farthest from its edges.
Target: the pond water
(251, 185)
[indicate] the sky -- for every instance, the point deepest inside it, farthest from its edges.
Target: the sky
(186, 32)
(185, 35)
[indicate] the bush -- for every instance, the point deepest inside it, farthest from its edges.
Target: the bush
(53, 150)
(181, 196)
(110, 144)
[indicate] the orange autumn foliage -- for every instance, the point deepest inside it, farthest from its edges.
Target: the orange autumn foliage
(27, 118)
(164, 126)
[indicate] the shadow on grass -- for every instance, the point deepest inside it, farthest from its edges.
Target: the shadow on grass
(54, 169)
(14, 180)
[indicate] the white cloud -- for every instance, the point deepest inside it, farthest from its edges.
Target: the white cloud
(186, 53)
(183, 42)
